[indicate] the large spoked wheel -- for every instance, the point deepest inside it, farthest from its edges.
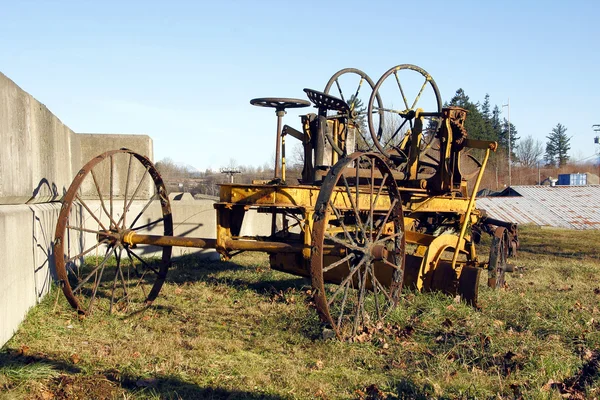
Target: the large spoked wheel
(405, 92)
(115, 193)
(357, 263)
(349, 85)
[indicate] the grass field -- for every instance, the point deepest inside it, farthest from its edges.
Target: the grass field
(240, 330)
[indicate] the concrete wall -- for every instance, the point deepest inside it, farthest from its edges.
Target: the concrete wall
(30, 139)
(39, 157)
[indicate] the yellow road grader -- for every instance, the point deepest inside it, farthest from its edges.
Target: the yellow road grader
(383, 203)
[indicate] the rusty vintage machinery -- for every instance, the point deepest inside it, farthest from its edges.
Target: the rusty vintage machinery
(383, 203)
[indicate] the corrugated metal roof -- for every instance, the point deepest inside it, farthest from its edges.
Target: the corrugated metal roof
(572, 207)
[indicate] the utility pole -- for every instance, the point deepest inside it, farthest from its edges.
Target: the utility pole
(231, 172)
(509, 166)
(596, 129)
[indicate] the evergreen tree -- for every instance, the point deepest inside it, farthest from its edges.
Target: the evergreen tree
(496, 123)
(503, 137)
(485, 108)
(557, 146)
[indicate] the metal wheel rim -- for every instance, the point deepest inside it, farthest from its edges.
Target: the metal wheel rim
(360, 265)
(377, 132)
(63, 230)
(335, 80)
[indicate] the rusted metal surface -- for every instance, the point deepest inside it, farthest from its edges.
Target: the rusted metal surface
(570, 207)
(361, 231)
(81, 283)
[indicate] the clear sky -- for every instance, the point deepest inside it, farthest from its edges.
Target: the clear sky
(183, 72)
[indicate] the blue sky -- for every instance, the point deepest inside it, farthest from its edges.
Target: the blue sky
(184, 72)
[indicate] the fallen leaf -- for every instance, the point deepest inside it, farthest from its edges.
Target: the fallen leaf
(23, 350)
(47, 395)
(75, 358)
(178, 290)
(319, 364)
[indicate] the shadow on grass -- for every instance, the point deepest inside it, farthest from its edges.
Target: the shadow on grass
(69, 381)
(189, 269)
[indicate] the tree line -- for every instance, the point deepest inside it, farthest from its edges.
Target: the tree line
(485, 122)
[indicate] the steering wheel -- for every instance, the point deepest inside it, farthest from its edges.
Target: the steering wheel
(279, 103)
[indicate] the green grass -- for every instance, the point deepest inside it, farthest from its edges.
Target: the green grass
(240, 330)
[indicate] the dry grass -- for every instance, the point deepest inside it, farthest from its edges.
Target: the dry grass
(239, 330)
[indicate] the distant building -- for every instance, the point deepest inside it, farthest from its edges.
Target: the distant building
(570, 207)
(578, 179)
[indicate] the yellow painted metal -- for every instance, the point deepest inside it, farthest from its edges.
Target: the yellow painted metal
(429, 252)
(415, 147)
(283, 157)
(467, 219)
(303, 197)
(131, 238)
(449, 204)
(270, 195)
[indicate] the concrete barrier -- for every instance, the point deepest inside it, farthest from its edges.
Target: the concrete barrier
(39, 157)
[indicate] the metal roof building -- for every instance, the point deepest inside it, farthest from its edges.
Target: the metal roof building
(571, 207)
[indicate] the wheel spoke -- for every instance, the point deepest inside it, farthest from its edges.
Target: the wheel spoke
(360, 310)
(384, 222)
(342, 243)
(81, 282)
(356, 93)
(420, 92)
(146, 265)
(383, 181)
(384, 291)
(371, 204)
(143, 210)
(401, 90)
(350, 275)
(77, 228)
(83, 253)
(339, 262)
(111, 189)
(395, 133)
(354, 207)
(135, 192)
(339, 320)
(339, 217)
(112, 223)
(337, 83)
(388, 238)
(123, 216)
(114, 287)
(375, 294)
(80, 200)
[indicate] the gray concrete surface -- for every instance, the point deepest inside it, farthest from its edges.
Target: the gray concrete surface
(28, 231)
(39, 157)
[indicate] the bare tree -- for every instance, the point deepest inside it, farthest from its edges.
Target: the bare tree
(529, 151)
